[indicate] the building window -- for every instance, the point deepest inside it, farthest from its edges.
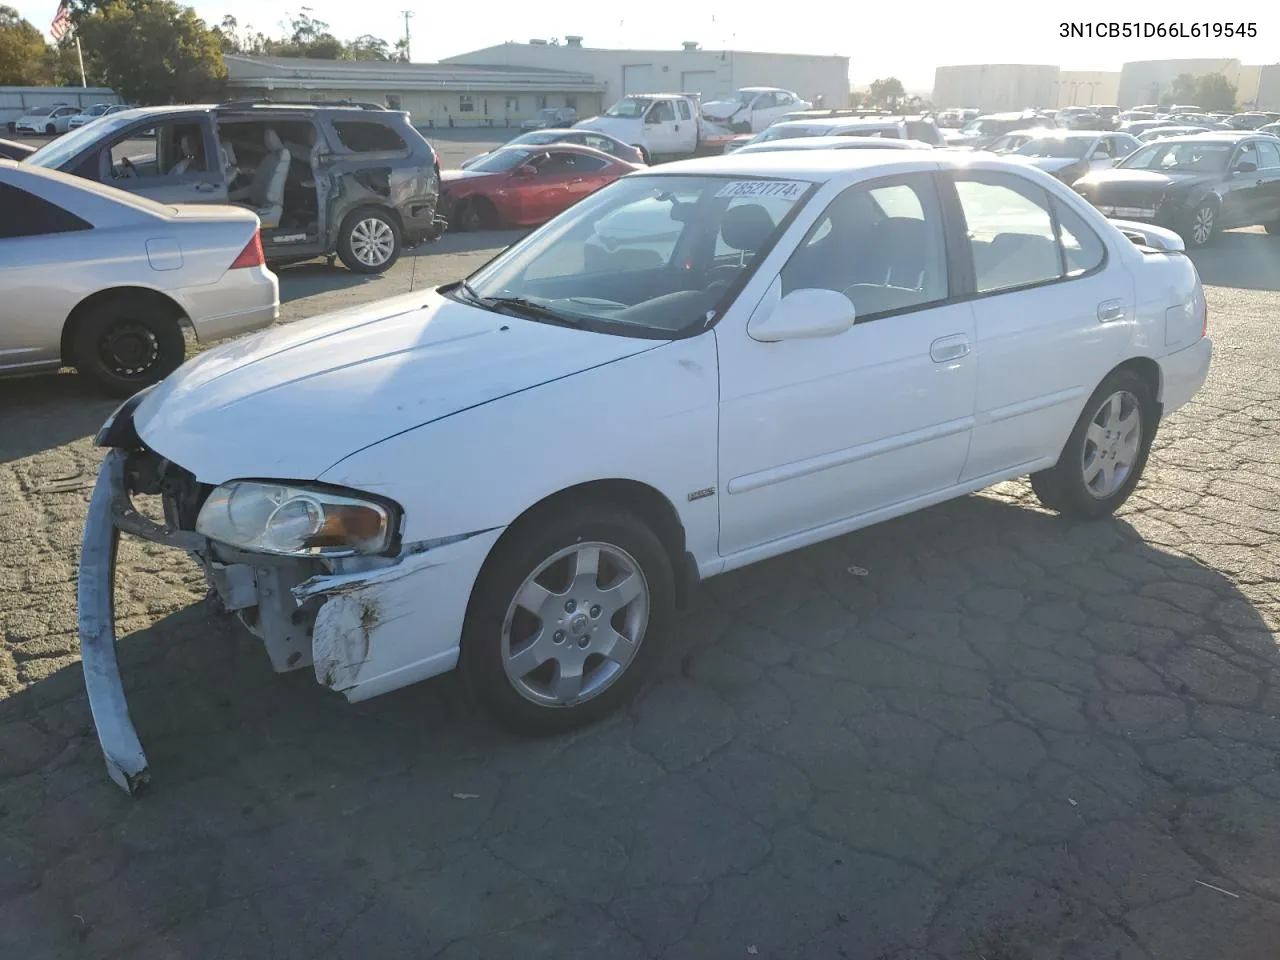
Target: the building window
(571, 103)
(393, 101)
(466, 104)
(513, 104)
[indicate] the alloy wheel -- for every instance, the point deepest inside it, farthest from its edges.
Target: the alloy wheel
(1112, 444)
(1202, 225)
(575, 624)
(372, 241)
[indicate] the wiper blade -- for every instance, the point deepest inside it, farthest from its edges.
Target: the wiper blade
(528, 308)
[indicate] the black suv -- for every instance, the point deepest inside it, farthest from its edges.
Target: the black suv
(351, 180)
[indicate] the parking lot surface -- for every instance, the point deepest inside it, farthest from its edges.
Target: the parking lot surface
(977, 732)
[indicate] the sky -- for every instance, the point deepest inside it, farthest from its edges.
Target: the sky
(880, 40)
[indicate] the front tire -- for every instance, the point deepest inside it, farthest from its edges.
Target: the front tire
(369, 241)
(125, 344)
(568, 619)
(50, 130)
(1202, 225)
(1106, 453)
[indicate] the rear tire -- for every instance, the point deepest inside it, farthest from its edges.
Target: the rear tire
(645, 158)
(369, 241)
(126, 343)
(1103, 459)
(574, 622)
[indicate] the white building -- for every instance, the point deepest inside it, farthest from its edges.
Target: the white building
(995, 87)
(712, 73)
(436, 95)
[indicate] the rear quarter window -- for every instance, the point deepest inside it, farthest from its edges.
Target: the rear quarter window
(365, 136)
(26, 215)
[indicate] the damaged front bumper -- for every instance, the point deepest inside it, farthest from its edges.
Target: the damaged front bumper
(367, 625)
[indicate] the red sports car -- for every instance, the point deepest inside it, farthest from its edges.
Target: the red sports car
(523, 186)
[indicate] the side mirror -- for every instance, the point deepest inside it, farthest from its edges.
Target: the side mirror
(1246, 166)
(803, 315)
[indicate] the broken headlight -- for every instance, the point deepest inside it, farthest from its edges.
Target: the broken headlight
(289, 520)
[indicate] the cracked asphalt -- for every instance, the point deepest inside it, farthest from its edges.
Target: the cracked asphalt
(976, 732)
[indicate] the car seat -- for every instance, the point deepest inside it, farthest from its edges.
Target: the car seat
(190, 147)
(265, 194)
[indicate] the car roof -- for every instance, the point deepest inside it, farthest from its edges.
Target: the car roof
(1215, 136)
(563, 147)
(559, 130)
(836, 143)
(841, 123)
(821, 166)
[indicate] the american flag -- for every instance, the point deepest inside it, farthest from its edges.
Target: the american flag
(61, 23)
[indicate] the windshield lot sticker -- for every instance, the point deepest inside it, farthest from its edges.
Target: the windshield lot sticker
(786, 189)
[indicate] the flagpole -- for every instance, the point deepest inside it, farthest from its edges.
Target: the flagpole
(84, 82)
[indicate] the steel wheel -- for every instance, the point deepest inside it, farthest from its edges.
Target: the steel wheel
(575, 624)
(372, 241)
(1202, 225)
(1113, 444)
(128, 349)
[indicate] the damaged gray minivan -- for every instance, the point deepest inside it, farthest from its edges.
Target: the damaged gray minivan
(352, 181)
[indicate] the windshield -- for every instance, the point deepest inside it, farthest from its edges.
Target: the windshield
(57, 152)
(1180, 158)
(500, 161)
(647, 256)
(1073, 147)
(745, 97)
(96, 111)
(629, 107)
(40, 111)
(1009, 141)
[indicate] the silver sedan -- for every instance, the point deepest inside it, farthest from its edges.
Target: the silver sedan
(107, 282)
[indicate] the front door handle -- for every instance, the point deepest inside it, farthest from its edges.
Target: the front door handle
(1110, 311)
(206, 187)
(945, 349)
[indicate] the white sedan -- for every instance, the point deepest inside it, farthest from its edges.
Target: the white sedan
(524, 473)
(107, 281)
(48, 121)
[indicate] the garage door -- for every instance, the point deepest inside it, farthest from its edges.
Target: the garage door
(698, 81)
(638, 78)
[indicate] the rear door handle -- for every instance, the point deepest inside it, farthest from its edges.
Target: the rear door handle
(949, 348)
(1110, 311)
(206, 187)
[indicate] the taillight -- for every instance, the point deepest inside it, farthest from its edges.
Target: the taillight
(251, 255)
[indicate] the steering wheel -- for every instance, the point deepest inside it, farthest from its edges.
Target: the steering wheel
(127, 169)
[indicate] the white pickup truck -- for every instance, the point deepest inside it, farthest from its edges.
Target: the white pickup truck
(663, 126)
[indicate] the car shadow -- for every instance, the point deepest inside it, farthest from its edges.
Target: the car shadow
(1248, 260)
(44, 411)
(979, 690)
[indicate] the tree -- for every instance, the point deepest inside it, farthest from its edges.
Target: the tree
(886, 92)
(153, 51)
(60, 65)
(1182, 90)
(228, 34)
(401, 50)
(367, 47)
(1215, 92)
(22, 50)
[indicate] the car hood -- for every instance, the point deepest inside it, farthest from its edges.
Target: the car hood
(624, 128)
(293, 400)
(453, 176)
(1119, 182)
(1050, 164)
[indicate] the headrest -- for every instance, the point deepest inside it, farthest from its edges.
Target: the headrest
(747, 227)
(272, 140)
